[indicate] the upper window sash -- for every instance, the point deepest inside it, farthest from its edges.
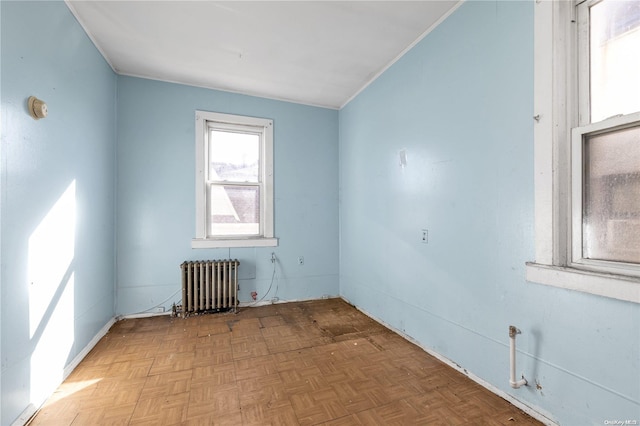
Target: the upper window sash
(243, 129)
(608, 34)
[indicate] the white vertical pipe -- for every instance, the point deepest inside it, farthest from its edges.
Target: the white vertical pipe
(512, 359)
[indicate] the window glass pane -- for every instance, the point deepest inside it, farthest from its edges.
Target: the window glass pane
(234, 210)
(615, 58)
(233, 157)
(611, 217)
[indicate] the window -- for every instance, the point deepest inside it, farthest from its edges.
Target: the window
(587, 147)
(234, 181)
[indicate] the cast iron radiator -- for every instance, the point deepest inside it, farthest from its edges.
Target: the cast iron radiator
(209, 286)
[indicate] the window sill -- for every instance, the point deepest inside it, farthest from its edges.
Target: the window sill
(601, 284)
(201, 243)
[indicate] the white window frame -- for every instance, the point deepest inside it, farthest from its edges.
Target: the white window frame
(204, 121)
(558, 132)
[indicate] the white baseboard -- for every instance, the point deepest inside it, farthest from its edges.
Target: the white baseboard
(85, 351)
(143, 315)
(279, 301)
(516, 402)
(25, 415)
(265, 303)
(31, 409)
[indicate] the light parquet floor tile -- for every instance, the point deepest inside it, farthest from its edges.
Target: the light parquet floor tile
(165, 410)
(308, 363)
(160, 385)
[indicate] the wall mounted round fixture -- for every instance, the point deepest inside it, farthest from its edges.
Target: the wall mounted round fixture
(37, 108)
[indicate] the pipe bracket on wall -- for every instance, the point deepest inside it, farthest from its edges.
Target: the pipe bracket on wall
(513, 331)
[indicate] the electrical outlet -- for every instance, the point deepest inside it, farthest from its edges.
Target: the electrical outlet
(300, 260)
(425, 236)
(273, 257)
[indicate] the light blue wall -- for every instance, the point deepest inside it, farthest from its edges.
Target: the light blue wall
(53, 170)
(1, 202)
(461, 104)
(156, 195)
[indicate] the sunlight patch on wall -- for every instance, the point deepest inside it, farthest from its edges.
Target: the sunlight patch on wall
(51, 251)
(51, 295)
(52, 349)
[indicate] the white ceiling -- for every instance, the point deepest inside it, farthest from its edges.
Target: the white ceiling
(312, 52)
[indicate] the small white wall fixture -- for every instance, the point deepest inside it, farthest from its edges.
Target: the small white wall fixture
(513, 331)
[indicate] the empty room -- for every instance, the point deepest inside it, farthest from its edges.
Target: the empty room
(320, 212)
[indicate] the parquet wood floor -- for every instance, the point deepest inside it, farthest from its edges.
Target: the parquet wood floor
(308, 363)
